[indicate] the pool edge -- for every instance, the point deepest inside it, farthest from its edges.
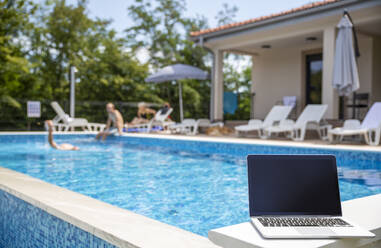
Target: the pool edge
(228, 140)
(117, 226)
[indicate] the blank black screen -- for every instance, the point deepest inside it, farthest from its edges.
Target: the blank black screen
(293, 185)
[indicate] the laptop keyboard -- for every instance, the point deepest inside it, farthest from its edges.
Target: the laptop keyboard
(307, 221)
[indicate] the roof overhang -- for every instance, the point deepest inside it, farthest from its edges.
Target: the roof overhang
(332, 9)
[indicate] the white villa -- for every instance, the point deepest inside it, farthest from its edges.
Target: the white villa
(293, 53)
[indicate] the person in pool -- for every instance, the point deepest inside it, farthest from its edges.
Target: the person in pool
(143, 115)
(114, 118)
(65, 146)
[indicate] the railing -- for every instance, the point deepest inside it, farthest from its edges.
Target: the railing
(15, 119)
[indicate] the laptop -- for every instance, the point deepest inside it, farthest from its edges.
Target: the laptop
(297, 196)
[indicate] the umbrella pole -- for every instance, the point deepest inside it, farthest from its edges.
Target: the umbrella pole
(181, 102)
(354, 105)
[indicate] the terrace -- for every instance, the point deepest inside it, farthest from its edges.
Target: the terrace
(284, 45)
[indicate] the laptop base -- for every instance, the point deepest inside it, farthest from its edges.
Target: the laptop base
(311, 232)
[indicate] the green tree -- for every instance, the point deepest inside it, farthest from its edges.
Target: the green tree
(226, 15)
(240, 84)
(14, 67)
(66, 36)
(162, 30)
(39, 43)
(61, 39)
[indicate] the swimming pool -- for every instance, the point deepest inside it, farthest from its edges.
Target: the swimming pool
(193, 185)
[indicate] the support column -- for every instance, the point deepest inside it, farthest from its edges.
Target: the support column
(217, 91)
(329, 94)
(252, 88)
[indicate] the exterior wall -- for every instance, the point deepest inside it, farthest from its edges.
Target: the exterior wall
(364, 63)
(277, 73)
(329, 94)
(369, 65)
(281, 72)
(376, 66)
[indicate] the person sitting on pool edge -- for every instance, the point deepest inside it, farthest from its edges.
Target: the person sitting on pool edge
(65, 146)
(114, 118)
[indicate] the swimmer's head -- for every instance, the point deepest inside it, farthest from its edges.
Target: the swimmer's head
(110, 107)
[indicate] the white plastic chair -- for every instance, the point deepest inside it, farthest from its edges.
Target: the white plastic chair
(63, 122)
(289, 101)
(205, 123)
(187, 126)
(276, 114)
(370, 128)
(158, 120)
(311, 115)
(191, 126)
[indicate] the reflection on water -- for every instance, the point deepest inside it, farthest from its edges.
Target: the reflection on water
(371, 178)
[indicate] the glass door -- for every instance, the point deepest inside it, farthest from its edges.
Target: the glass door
(314, 69)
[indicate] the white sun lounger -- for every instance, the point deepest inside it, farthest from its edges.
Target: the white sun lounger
(191, 126)
(187, 126)
(63, 122)
(370, 128)
(276, 114)
(205, 123)
(311, 115)
(158, 120)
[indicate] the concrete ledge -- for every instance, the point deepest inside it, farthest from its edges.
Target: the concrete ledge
(269, 142)
(365, 212)
(117, 226)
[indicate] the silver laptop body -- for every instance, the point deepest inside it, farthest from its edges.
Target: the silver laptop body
(297, 196)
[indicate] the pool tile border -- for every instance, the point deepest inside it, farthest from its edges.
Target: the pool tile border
(24, 225)
(117, 226)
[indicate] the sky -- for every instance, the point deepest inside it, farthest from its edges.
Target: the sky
(116, 10)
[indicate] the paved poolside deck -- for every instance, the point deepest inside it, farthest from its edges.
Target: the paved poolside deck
(308, 143)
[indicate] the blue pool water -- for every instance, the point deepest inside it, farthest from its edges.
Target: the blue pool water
(193, 185)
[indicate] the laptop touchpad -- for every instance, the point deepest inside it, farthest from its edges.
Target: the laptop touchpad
(314, 230)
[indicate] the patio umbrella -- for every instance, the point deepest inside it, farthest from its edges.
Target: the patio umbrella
(177, 72)
(345, 74)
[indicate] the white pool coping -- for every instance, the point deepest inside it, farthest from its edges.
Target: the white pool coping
(365, 212)
(117, 226)
(232, 140)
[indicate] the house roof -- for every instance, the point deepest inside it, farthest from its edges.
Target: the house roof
(262, 18)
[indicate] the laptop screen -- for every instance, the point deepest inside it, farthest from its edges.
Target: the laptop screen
(293, 185)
